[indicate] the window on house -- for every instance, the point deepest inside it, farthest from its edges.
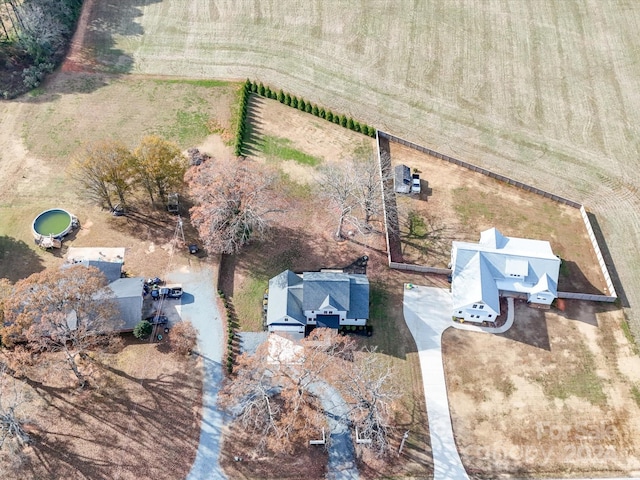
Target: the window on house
(459, 311)
(286, 319)
(481, 307)
(475, 305)
(489, 315)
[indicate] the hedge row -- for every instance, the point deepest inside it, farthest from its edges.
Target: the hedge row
(312, 108)
(242, 116)
(230, 330)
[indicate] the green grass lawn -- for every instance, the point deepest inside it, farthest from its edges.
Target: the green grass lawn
(280, 148)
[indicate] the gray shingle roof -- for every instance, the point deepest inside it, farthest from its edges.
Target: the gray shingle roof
(128, 295)
(290, 295)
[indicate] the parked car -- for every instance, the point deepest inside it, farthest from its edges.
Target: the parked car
(171, 291)
(157, 319)
(415, 183)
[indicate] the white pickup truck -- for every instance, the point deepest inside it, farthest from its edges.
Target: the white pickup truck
(415, 183)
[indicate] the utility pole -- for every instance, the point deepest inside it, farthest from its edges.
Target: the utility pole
(404, 438)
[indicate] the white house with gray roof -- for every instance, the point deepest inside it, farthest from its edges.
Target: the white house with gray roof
(482, 272)
(316, 299)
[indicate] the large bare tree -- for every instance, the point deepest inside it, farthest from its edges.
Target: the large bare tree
(234, 201)
(355, 191)
(270, 392)
(11, 421)
(369, 390)
(69, 310)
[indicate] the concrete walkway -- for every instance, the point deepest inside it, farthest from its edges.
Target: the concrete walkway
(199, 306)
(427, 312)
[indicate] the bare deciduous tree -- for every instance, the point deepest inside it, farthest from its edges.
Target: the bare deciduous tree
(339, 186)
(270, 393)
(354, 189)
(11, 424)
(234, 201)
(370, 191)
(368, 386)
(69, 310)
(183, 338)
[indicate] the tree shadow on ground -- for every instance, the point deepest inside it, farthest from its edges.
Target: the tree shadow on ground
(97, 428)
(17, 259)
(252, 139)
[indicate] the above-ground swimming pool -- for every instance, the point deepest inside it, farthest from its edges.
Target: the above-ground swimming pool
(55, 223)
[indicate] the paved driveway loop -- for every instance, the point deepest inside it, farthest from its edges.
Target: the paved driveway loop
(427, 312)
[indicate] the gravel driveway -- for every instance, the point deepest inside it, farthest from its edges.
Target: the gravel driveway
(199, 306)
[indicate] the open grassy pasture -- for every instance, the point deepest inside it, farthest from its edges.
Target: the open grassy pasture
(544, 92)
(457, 204)
(39, 134)
(556, 393)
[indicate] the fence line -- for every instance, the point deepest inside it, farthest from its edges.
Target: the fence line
(596, 248)
(587, 296)
(419, 268)
(480, 170)
(384, 199)
(612, 297)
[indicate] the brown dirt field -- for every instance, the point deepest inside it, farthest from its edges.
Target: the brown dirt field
(552, 395)
(310, 459)
(458, 204)
(141, 419)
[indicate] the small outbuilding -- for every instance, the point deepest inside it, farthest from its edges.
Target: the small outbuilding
(402, 179)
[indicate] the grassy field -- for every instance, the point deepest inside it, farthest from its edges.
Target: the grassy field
(543, 92)
(556, 393)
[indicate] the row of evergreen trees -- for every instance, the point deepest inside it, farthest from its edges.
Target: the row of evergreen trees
(242, 117)
(295, 102)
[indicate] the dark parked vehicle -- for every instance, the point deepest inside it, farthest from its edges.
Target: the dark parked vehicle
(171, 291)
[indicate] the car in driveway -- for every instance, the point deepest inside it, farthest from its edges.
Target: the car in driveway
(171, 291)
(156, 319)
(415, 183)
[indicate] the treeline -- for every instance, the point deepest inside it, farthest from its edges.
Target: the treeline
(108, 171)
(294, 102)
(34, 35)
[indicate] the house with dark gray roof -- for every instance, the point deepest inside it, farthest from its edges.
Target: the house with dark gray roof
(499, 265)
(129, 299)
(330, 299)
(128, 292)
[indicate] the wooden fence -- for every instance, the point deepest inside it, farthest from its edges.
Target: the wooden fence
(480, 170)
(419, 268)
(612, 297)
